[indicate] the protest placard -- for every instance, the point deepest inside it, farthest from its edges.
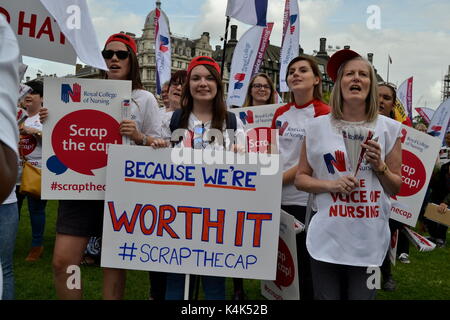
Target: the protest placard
(83, 120)
(216, 219)
(286, 284)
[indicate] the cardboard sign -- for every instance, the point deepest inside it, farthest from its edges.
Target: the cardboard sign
(286, 285)
(37, 32)
(419, 154)
(433, 214)
(216, 219)
(83, 120)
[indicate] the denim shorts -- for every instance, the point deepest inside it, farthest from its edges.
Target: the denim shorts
(83, 218)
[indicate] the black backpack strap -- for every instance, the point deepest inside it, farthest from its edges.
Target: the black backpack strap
(175, 120)
(231, 120)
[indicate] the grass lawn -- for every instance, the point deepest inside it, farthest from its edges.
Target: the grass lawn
(426, 278)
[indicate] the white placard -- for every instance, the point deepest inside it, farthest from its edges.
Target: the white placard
(217, 219)
(83, 120)
(37, 32)
(286, 285)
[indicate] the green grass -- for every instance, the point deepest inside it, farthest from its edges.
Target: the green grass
(426, 278)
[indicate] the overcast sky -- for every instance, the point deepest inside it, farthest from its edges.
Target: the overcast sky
(415, 33)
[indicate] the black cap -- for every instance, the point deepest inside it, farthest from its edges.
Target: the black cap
(36, 86)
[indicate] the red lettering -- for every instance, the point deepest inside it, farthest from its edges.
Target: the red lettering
(6, 14)
(62, 38)
(46, 28)
(362, 183)
(239, 228)
(333, 211)
(350, 211)
(189, 211)
(123, 220)
(145, 209)
(219, 224)
(259, 218)
(31, 25)
(360, 211)
(163, 222)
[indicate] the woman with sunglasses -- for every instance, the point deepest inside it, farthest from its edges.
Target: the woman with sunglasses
(202, 108)
(78, 220)
(260, 91)
(305, 83)
(349, 232)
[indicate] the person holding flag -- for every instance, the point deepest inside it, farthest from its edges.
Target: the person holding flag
(349, 232)
(305, 83)
(78, 220)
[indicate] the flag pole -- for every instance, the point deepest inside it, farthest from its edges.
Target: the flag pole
(387, 80)
(224, 46)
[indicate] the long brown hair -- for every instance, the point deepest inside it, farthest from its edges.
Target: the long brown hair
(219, 107)
(249, 98)
(134, 75)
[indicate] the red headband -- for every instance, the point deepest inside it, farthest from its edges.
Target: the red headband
(122, 37)
(201, 60)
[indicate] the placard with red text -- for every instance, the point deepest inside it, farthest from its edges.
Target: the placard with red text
(205, 218)
(83, 120)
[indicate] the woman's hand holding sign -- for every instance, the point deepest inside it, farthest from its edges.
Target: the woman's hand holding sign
(344, 184)
(373, 155)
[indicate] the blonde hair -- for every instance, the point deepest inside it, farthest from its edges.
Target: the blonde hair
(249, 99)
(337, 101)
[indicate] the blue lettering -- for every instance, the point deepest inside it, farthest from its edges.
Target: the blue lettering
(139, 171)
(221, 179)
(210, 179)
(226, 259)
(189, 173)
(237, 175)
(148, 256)
(248, 178)
(147, 175)
(129, 165)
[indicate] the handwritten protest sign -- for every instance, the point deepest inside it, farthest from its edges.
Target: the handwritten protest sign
(419, 154)
(218, 219)
(84, 117)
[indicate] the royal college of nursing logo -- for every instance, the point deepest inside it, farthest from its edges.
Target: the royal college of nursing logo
(246, 117)
(164, 42)
(292, 20)
(72, 93)
(336, 162)
(239, 77)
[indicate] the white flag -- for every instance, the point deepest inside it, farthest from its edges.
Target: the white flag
(439, 123)
(426, 114)
(162, 50)
(248, 11)
(75, 22)
(247, 58)
(404, 94)
(290, 40)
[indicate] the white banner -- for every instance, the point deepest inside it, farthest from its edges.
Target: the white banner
(37, 33)
(83, 120)
(419, 154)
(286, 285)
(290, 41)
(162, 50)
(213, 219)
(404, 94)
(75, 22)
(249, 50)
(439, 123)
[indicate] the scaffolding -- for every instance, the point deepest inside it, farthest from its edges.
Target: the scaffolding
(446, 86)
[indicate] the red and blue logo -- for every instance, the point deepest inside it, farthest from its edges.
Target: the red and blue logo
(74, 93)
(239, 77)
(281, 126)
(292, 20)
(246, 117)
(435, 131)
(164, 42)
(337, 162)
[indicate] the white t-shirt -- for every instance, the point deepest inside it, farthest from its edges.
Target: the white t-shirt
(291, 121)
(193, 136)
(9, 91)
(145, 112)
(349, 230)
(165, 124)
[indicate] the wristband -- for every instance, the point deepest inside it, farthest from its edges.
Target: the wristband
(144, 140)
(383, 170)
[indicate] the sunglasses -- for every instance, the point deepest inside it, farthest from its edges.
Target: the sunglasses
(120, 54)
